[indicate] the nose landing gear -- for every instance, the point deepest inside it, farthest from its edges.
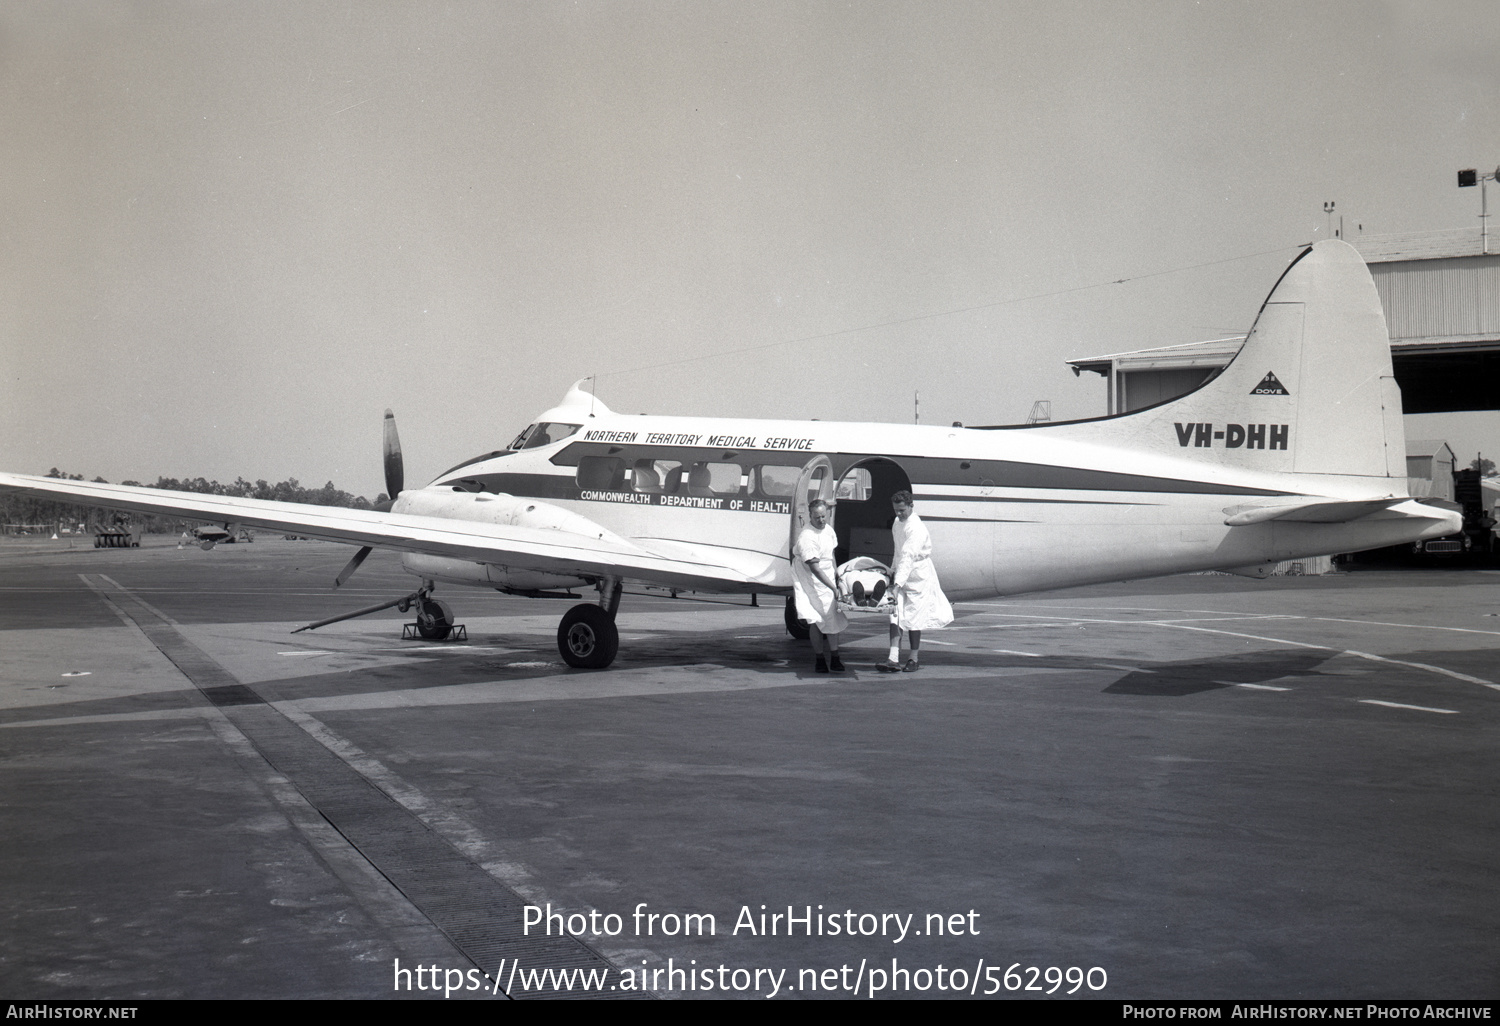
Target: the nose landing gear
(434, 618)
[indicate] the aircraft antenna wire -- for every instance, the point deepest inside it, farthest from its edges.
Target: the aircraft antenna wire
(932, 316)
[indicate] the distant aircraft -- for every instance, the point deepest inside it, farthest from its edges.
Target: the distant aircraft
(1295, 449)
(208, 535)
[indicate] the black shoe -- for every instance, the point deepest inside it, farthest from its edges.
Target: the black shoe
(819, 666)
(888, 667)
(877, 594)
(910, 667)
(858, 591)
(835, 663)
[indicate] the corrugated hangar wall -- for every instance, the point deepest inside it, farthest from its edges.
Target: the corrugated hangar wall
(1454, 299)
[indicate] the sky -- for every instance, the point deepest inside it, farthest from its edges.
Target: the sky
(232, 234)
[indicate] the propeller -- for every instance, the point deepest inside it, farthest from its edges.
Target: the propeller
(395, 480)
(395, 473)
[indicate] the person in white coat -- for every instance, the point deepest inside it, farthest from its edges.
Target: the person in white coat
(920, 602)
(815, 588)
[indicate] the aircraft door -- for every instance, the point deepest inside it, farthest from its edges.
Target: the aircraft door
(815, 482)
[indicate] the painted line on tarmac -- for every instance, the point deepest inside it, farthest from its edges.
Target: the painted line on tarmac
(1409, 626)
(1177, 625)
(1281, 616)
(1424, 666)
(1019, 626)
(1257, 687)
(195, 713)
(1402, 705)
(1345, 651)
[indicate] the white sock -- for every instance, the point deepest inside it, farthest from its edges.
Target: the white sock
(895, 653)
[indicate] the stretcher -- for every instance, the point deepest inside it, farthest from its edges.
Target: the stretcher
(874, 580)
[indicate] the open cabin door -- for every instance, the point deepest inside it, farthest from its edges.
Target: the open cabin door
(815, 482)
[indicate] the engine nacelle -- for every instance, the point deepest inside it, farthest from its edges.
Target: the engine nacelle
(499, 508)
(493, 508)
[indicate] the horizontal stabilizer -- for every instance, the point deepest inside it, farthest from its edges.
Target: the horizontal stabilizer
(1308, 511)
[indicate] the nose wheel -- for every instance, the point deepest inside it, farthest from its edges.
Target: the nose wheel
(434, 619)
(587, 638)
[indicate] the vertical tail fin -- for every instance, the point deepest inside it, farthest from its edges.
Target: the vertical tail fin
(1310, 392)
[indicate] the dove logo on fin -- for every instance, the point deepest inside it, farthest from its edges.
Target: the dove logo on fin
(1269, 386)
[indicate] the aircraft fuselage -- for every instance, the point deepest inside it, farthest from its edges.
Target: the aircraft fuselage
(1010, 509)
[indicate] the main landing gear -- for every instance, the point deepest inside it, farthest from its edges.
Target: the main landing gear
(587, 638)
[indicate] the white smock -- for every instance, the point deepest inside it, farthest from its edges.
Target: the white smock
(816, 604)
(920, 602)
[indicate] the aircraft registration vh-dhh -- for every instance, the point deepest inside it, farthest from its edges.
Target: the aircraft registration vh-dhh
(1295, 449)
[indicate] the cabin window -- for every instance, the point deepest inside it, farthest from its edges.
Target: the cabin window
(543, 434)
(670, 477)
(647, 475)
(657, 477)
(709, 479)
(776, 482)
(601, 473)
(856, 485)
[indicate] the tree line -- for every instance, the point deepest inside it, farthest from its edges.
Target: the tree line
(19, 509)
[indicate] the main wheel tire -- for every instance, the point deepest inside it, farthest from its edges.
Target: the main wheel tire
(587, 638)
(434, 619)
(795, 627)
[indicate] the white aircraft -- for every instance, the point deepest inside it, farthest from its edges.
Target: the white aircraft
(1295, 449)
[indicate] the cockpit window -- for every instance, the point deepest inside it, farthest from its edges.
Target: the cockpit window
(543, 434)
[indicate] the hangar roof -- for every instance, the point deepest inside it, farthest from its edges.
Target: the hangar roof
(1426, 447)
(1455, 242)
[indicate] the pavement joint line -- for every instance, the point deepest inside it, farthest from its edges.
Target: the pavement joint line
(478, 913)
(380, 899)
(157, 612)
(1257, 687)
(375, 894)
(458, 831)
(110, 605)
(1403, 705)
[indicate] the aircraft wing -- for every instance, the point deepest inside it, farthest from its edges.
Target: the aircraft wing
(567, 553)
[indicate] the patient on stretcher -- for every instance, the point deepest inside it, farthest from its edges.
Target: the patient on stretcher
(867, 582)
